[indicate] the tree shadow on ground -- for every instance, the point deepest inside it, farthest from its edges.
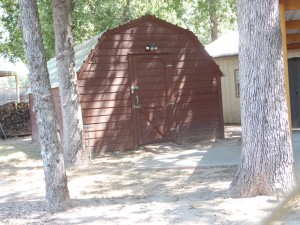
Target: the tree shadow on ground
(173, 192)
(113, 191)
(127, 196)
(13, 146)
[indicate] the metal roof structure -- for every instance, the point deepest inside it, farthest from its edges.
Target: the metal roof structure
(82, 51)
(291, 10)
(226, 45)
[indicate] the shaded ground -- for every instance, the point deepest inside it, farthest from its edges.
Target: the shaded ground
(112, 190)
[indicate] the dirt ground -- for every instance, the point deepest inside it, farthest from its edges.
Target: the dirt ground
(111, 190)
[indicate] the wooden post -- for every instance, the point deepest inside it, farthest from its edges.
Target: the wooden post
(285, 60)
(17, 88)
(10, 74)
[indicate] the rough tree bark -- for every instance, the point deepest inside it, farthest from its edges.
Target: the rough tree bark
(267, 155)
(57, 193)
(73, 148)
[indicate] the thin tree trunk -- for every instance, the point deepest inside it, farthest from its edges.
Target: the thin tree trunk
(267, 156)
(65, 60)
(57, 193)
(213, 17)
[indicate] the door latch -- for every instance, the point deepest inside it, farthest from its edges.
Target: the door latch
(137, 104)
(137, 100)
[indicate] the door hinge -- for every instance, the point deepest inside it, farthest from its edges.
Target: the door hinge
(169, 65)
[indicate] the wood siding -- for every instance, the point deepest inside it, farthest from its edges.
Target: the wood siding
(231, 103)
(107, 101)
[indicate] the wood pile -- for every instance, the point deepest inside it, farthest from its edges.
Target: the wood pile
(14, 119)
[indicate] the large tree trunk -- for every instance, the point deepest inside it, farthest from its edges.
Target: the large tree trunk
(267, 156)
(65, 60)
(57, 193)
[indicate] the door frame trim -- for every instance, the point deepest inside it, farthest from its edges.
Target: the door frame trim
(133, 82)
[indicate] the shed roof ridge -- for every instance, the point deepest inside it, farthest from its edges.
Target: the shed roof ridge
(144, 18)
(84, 50)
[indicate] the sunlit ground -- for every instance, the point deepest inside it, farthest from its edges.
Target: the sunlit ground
(112, 190)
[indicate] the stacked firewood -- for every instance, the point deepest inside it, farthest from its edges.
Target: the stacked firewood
(14, 119)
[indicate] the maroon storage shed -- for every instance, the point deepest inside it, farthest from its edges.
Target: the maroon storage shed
(149, 81)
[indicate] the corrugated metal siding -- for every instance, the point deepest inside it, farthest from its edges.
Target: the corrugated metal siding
(104, 86)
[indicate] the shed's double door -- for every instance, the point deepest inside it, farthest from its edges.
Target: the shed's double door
(151, 91)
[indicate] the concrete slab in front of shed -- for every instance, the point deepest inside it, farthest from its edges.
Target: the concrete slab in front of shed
(220, 153)
(170, 155)
(296, 145)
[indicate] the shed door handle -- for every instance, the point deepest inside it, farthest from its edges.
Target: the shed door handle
(137, 100)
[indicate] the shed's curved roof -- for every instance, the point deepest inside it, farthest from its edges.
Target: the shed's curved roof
(83, 50)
